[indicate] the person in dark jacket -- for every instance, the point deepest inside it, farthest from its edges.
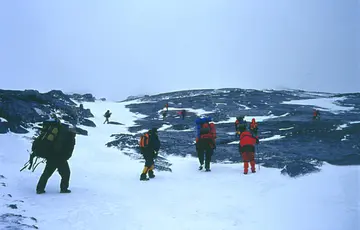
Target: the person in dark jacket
(107, 116)
(205, 141)
(149, 148)
(240, 124)
(58, 159)
(247, 149)
(183, 114)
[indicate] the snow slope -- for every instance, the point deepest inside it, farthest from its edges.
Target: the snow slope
(107, 193)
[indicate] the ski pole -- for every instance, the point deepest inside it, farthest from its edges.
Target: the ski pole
(257, 150)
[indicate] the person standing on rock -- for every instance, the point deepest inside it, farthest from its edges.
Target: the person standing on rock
(57, 158)
(149, 146)
(247, 149)
(107, 116)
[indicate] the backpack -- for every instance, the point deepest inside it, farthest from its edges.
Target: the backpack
(144, 141)
(207, 130)
(43, 145)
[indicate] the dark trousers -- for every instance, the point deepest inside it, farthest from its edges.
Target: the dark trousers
(149, 158)
(204, 150)
(106, 120)
(63, 169)
(149, 162)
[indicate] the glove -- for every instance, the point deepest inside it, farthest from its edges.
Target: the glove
(257, 141)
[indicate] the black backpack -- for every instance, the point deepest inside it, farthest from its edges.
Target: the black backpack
(54, 138)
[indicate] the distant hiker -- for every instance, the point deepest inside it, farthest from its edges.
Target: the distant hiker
(247, 149)
(107, 116)
(240, 123)
(183, 113)
(205, 141)
(316, 114)
(149, 146)
(167, 106)
(164, 113)
(56, 144)
(254, 127)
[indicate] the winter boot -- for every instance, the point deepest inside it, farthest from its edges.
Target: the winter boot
(40, 191)
(208, 170)
(151, 174)
(143, 177)
(201, 167)
(65, 191)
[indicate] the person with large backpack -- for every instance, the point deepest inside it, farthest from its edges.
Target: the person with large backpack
(240, 124)
(107, 116)
(247, 149)
(56, 144)
(205, 141)
(149, 146)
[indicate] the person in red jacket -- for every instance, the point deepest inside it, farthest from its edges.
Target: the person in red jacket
(247, 149)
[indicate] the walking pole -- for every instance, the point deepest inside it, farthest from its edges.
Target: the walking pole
(257, 150)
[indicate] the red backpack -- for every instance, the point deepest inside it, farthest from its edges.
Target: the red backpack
(208, 130)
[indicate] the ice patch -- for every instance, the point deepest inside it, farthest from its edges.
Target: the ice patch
(282, 129)
(164, 127)
(244, 106)
(3, 119)
(325, 104)
(198, 112)
(354, 122)
(341, 127)
(39, 111)
(275, 137)
(249, 118)
(345, 137)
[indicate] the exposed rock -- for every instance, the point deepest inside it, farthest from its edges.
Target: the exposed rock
(85, 97)
(12, 206)
(21, 108)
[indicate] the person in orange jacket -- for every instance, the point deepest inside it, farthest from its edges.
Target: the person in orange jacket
(247, 149)
(254, 127)
(316, 114)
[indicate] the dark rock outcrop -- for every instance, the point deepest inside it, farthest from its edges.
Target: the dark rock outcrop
(21, 109)
(83, 97)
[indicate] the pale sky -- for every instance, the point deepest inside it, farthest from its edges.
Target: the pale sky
(117, 48)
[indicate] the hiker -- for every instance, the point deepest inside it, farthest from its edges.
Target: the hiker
(205, 141)
(247, 149)
(240, 123)
(316, 114)
(183, 113)
(149, 147)
(164, 113)
(254, 127)
(167, 107)
(107, 116)
(61, 142)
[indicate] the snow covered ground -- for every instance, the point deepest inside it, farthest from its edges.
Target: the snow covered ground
(107, 193)
(326, 104)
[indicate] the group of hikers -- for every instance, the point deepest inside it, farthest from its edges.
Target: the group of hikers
(56, 143)
(205, 144)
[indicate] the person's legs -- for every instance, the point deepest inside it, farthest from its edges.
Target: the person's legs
(48, 171)
(64, 171)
